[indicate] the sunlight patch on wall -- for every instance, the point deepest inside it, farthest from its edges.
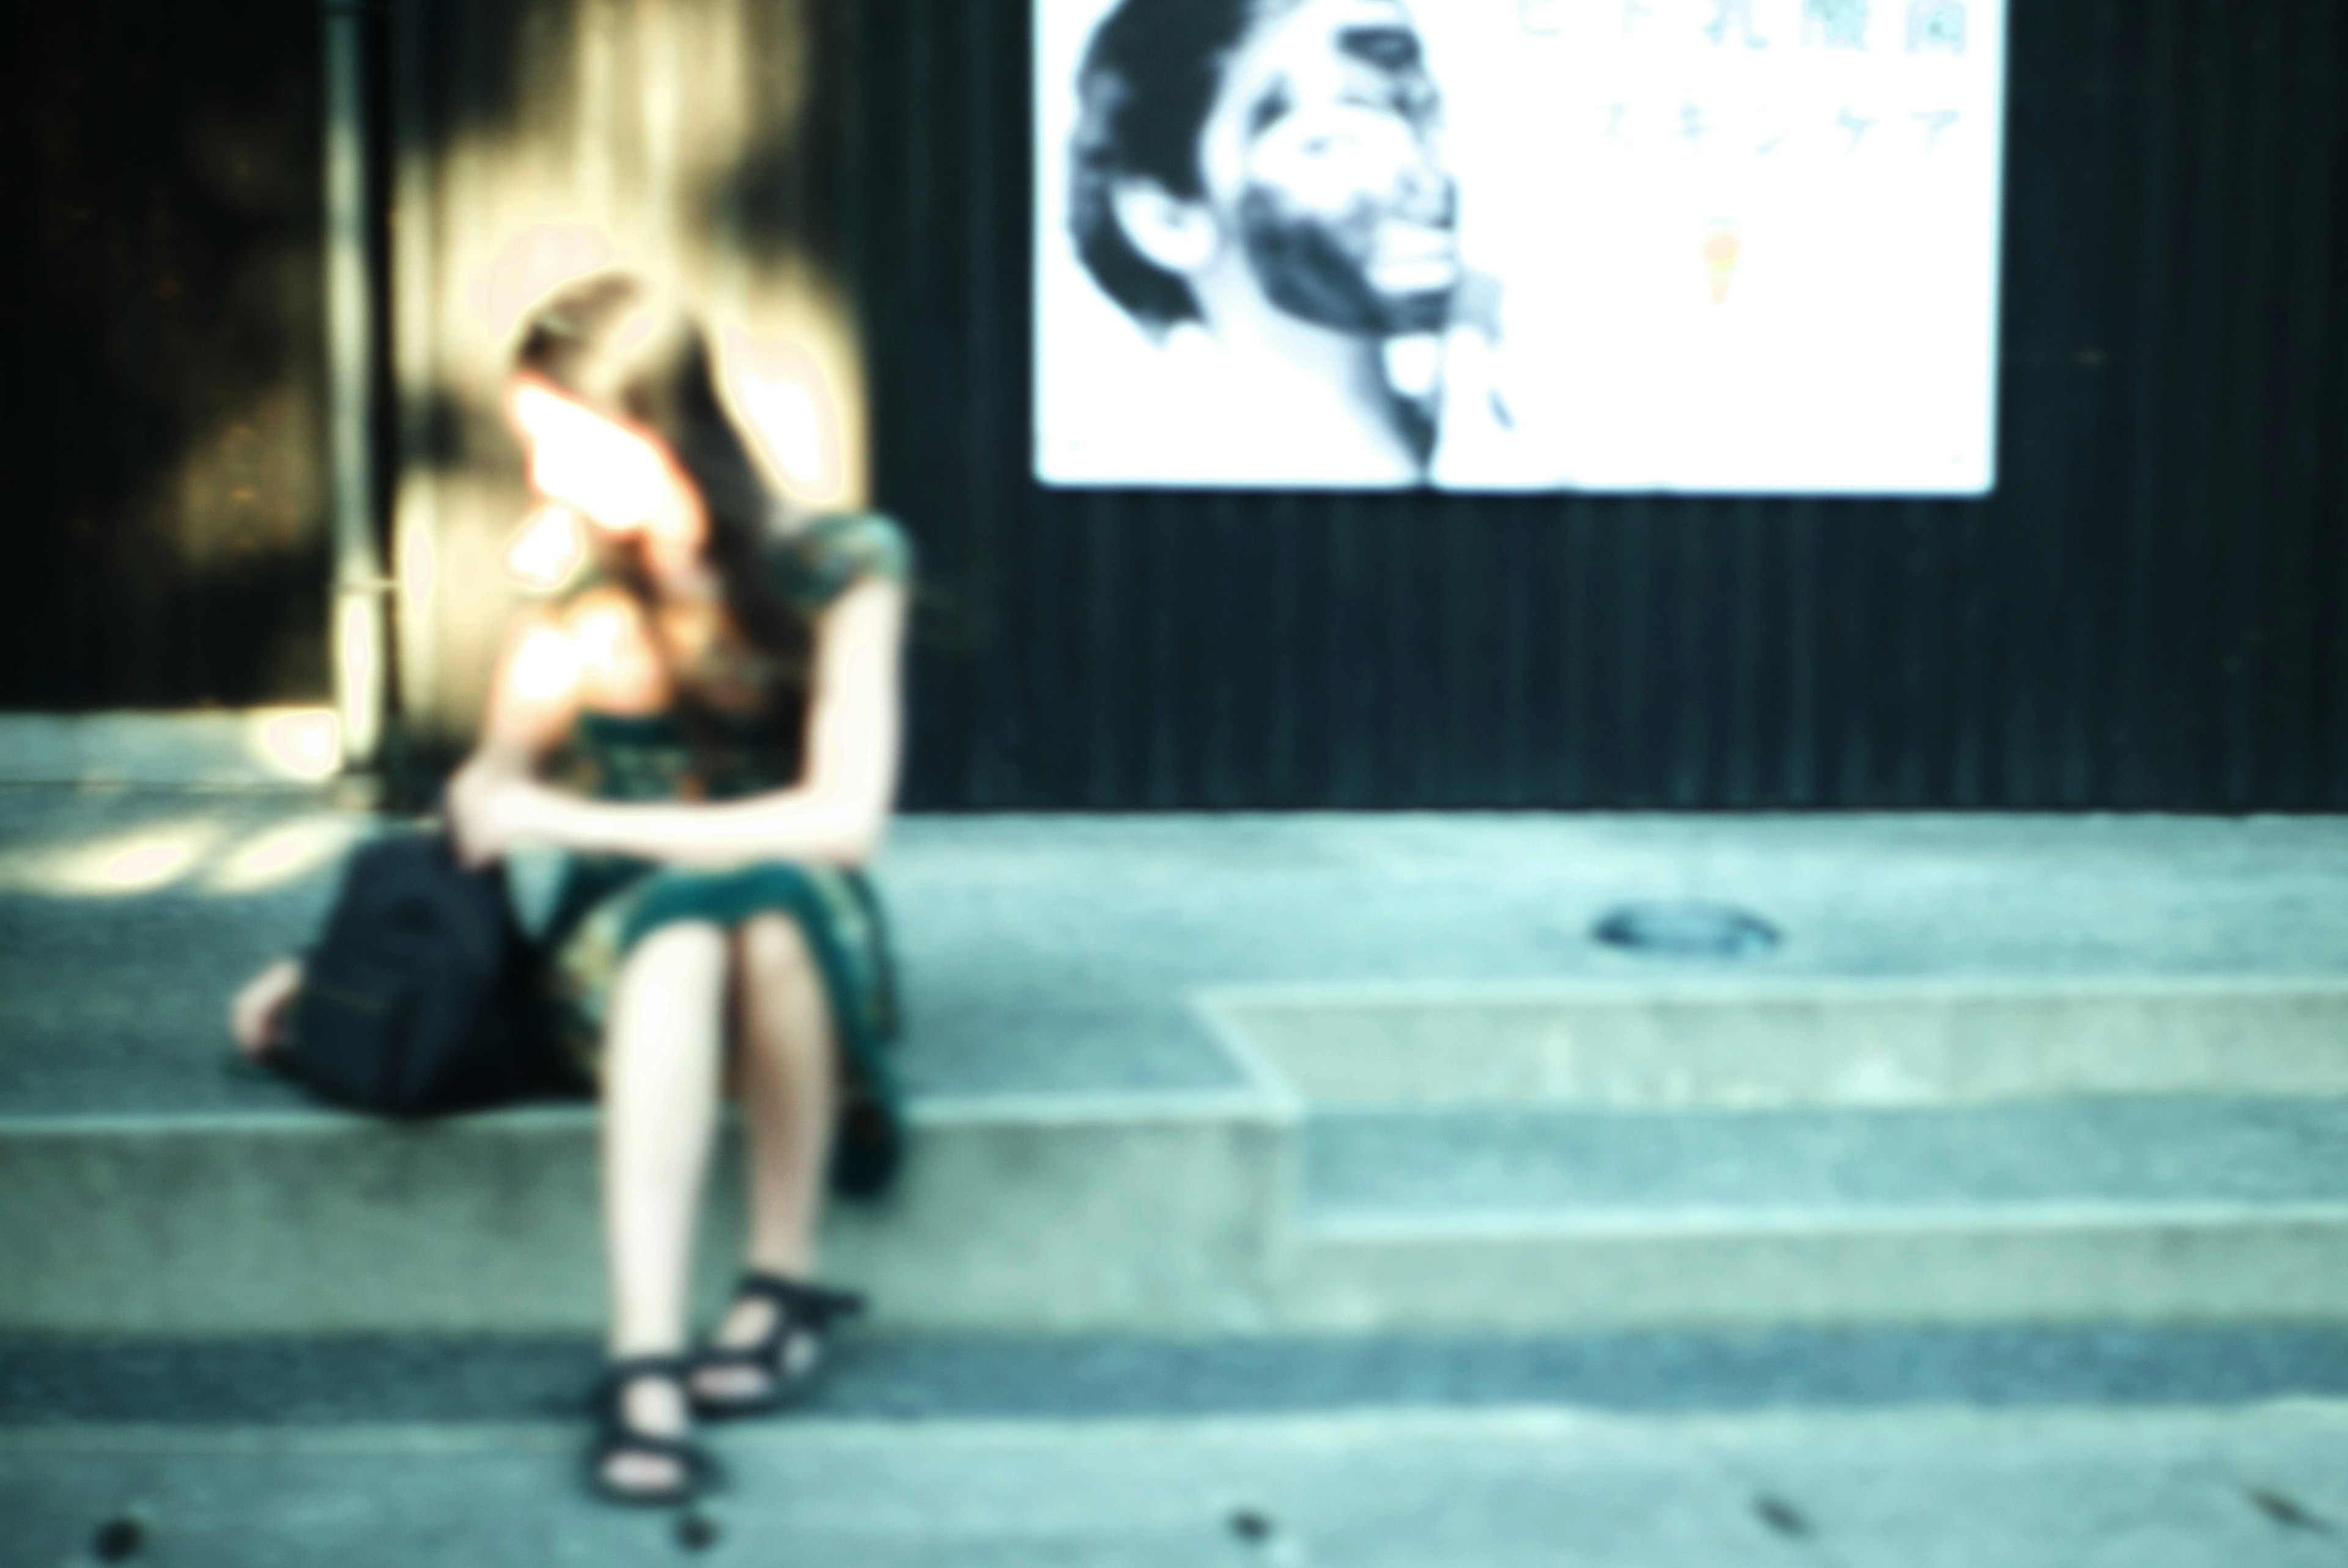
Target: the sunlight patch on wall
(634, 144)
(303, 743)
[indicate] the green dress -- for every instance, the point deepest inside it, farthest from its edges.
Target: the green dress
(606, 904)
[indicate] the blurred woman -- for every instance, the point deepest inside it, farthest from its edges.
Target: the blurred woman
(703, 714)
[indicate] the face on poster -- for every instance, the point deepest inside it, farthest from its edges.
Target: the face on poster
(1714, 246)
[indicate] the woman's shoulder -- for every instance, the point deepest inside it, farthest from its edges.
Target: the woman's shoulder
(831, 552)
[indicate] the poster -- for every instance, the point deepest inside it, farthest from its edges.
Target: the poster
(1711, 246)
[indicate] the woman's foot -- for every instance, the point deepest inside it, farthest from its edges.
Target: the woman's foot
(643, 1450)
(748, 1328)
(257, 1015)
(768, 1345)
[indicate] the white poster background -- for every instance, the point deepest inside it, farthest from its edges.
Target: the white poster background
(1836, 159)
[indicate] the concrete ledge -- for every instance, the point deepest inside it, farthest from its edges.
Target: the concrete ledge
(1735, 1043)
(245, 748)
(1141, 1213)
(1111, 1211)
(1180, 1212)
(2038, 1263)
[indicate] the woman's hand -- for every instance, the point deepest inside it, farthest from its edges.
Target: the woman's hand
(492, 813)
(494, 805)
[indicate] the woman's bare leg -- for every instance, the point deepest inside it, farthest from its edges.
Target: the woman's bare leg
(661, 1058)
(790, 1090)
(788, 1081)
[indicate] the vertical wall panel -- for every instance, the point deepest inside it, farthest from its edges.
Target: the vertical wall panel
(690, 138)
(2148, 613)
(160, 355)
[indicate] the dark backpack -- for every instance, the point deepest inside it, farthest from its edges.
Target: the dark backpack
(416, 998)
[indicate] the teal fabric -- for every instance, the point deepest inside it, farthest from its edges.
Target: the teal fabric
(653, 757)
(830, 554)
(841, 919)
(607, 904)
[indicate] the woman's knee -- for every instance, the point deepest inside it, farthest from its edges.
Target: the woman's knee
(667, 1010)
(771, 951)
(685, 960)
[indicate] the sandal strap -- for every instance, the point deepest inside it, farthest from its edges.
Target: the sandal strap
(697, 1469)
(628, 1440)
(619, 1374)
(614, 1436)
(759, 1358)
(798, 1302)
(800, 1309)
(609, 1398)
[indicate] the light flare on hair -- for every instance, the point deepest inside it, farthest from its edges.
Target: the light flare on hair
(787, 411)
(546, 666)
(592, 463)
(550, 547)
(531, 265)
(599, 634)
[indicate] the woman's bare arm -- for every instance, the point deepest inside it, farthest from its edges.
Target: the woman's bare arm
(836, 813)
(534, 696)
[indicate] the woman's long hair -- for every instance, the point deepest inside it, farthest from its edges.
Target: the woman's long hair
(605, 341)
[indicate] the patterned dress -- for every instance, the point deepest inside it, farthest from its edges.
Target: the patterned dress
(606, 904)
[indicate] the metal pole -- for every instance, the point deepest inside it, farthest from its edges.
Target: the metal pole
(357, 608)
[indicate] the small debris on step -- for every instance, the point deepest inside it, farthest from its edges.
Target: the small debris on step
(2287, 1511)
(696, 1530)
(1782, 1517)
(1689, 930)
(121, 1538)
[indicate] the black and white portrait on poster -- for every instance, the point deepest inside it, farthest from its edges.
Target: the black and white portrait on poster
(1703, 245)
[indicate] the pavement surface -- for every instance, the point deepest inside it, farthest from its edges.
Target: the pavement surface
(2048, 1489)
(1057, 955)
(1647, 1450)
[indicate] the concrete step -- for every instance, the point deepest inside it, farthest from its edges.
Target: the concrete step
(1064, 1212)
(1951, 1149)
(1676, 1040)
(880, 1371)
(2152, 1152)
(1139, 1049)
(2261, 1487)
(2070, 1263)
(1855, 1446)
(1242, 1211)
(245, 748)
(2128, 1211)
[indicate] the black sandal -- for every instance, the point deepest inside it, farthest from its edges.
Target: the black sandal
(697, 1469)
(802, 1315)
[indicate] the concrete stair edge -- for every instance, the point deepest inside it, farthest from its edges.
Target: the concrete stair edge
(1685, 1042)
(1161, 1212)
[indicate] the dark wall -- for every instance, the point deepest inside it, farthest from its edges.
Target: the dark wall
(2147, 614)
(159, 354)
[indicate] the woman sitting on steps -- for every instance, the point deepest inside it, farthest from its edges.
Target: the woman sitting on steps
(705, 715)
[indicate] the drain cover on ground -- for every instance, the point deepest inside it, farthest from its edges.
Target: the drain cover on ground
(1689, 930)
